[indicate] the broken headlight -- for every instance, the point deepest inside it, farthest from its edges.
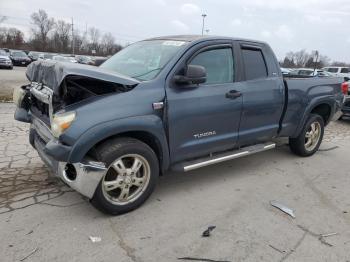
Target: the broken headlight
(61, 122)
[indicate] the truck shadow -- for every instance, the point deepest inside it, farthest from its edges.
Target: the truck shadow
(228, 171)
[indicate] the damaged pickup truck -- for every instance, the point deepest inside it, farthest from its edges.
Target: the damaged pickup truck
(178, 102)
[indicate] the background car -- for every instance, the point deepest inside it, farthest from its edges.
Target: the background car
(48, 56)
(99, 60)
(83, 59)
(35, 55)
(308, 72)
(338, 70)
(64, 59)
(285, 71)
(5, 61)
(19, 58)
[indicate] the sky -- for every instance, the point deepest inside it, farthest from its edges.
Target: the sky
(286, 25)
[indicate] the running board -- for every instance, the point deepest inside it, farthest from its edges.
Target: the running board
(218, 158)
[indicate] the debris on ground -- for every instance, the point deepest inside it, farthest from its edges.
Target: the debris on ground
(30, 232)
(201, 259)
(206, 233)
(329, 149)
(31, 253)
(320, 237)
(277, 249)
(282, 207)
(95, 239)
(147, 237)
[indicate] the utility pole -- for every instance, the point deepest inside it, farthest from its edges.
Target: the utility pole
(203, 15)
(315, 60)
(72, 37)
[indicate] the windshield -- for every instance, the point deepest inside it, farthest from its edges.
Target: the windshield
(143, 60)
(2, 52)
(19, 54)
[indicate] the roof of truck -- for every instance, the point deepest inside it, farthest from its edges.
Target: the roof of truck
(192, 38)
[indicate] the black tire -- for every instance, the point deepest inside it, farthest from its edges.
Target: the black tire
(297, 145)
(110, 151)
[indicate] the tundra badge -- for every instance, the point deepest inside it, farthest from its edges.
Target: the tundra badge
(200, 135)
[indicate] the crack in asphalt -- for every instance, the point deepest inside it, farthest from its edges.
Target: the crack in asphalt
(295, 247)
(130, 252)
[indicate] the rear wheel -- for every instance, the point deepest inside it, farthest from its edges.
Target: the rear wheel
(310, 138)
(131, 176)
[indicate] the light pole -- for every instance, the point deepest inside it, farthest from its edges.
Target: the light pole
(203, 15)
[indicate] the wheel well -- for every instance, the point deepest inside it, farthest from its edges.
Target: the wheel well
(143, 136)
(324, 110)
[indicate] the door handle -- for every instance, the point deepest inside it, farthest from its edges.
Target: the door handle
(233, 94)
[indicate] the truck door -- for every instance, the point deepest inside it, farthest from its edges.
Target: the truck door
(263, 94)
(205, 118)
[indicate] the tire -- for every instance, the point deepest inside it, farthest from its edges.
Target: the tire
(299, 146)
(120, 155)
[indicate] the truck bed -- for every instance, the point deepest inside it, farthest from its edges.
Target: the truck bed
(301, 91)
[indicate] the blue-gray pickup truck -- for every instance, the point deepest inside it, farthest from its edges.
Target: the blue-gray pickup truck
(177, 102)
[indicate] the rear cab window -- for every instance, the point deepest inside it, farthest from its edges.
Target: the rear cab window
(254, 63)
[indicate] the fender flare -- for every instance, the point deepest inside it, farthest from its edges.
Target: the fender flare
(329, 100)
(149, 123)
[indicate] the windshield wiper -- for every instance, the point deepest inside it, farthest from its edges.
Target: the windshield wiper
(146, 73)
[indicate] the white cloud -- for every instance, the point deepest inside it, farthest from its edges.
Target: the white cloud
(189, 9)
(323, 20)
(180, 26)
(160, 2)
(236, 22)
(265, 34)
(284, 32)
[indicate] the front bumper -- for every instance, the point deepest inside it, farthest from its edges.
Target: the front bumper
(84, 176)
(6, 65)
(87, 175)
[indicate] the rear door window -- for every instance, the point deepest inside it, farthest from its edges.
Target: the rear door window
(344, 70)
(254, 64)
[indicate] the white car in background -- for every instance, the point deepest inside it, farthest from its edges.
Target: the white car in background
(311, 72)
(338, 70)
(64, 59)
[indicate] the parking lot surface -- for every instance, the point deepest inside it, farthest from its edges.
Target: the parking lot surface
(43, 220)
(10, 79)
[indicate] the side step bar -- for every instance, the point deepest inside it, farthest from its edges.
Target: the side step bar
(217, 158)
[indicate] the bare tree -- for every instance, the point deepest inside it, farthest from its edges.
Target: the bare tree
(11, 37)
(94, 38)
(108, 43)
(301, 58)
(61, 36)
(42, 26)
(304, 59)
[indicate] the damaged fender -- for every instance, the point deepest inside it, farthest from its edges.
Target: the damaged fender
(151, 124)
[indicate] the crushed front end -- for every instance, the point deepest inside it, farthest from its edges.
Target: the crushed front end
(43, 105)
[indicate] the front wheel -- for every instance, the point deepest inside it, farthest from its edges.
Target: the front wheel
(310, 138)
(131, 176)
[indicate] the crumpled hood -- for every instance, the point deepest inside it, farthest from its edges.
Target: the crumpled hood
(52, 73)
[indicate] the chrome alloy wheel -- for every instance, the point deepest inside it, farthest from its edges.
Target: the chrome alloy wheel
(312, 136)
(126, 179)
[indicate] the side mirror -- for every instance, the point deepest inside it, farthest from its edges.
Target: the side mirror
(194, 75)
